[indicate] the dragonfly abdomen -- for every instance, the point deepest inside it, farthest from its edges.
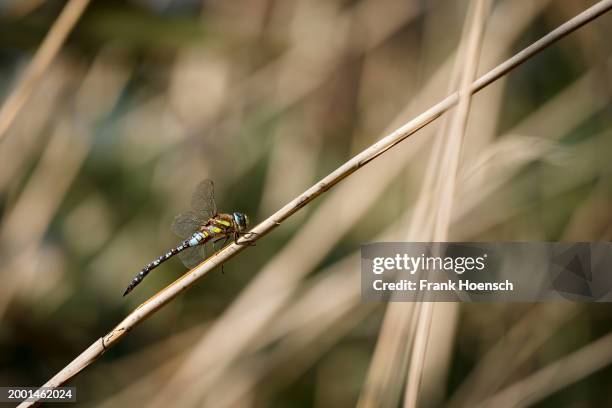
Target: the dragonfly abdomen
(198, 238)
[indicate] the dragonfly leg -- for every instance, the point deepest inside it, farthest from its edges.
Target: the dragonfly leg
(225, 239)
(215, 250)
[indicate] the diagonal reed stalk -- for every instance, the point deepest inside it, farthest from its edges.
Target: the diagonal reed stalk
(554, 376)
(93, 352)
(261, 301)
(42, 59)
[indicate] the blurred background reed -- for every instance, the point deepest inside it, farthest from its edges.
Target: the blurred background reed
(147, 97)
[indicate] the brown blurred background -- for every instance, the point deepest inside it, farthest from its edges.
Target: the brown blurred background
(148, 97)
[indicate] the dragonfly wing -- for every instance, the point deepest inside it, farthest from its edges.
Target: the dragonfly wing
(203, 200)
(186, 224)
(192, 256)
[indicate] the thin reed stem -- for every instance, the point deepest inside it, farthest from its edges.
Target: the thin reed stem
(554, 376)
(150, 306)
(45, 54)
(443, 208)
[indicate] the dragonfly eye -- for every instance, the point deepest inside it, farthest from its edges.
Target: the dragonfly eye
(241, 220)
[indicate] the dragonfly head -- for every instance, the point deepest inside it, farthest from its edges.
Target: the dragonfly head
(241, 220)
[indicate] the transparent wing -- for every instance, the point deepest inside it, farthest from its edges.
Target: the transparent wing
(191, 257)
(203, 200)
(185, 224)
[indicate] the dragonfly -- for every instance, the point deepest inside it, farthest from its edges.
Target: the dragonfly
(198, 226)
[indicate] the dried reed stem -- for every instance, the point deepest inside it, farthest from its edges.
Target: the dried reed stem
(42, 59)
(447, 185)
(190, 278)
(511, 352)
(555, 376)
